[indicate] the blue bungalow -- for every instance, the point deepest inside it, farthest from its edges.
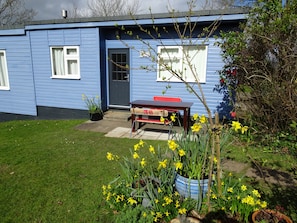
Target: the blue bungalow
(46, 66)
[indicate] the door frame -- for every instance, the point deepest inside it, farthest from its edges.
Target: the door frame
(125, 104)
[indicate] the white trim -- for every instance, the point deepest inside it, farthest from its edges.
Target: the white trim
(5, 69)
(67, 58)
(177, 56)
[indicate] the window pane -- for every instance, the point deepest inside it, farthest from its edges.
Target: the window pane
(72, 67)
(65, 62)
(58, 61)
(3, 71)
(170, 52)
(71, 51)
(169, 65)
(195, 58)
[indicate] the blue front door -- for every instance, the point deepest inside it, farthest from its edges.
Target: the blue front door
(119, 77)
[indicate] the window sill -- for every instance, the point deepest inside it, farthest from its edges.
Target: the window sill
(4, 88)
(66, 77)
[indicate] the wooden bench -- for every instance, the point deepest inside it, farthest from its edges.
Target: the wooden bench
(151, 116)
(170, 99)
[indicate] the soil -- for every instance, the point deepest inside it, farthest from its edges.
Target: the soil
(258, 173)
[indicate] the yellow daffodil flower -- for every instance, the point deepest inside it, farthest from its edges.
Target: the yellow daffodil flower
(244, 129)
(243, 188)
(109, 156)
(173, 117)
(172, 145)
(181, 152)
(141, 143)
(143, 162)
(131, 201)
(152, 149)
(230, 189)
(135, 155)
(196, 127)
(162, 164)
(136, 147)
(182, 211)
(203, 119)
(178, 165)
(236, 126)
(256, 193)
(195, 117)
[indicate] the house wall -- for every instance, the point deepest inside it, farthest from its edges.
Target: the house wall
(20, 98)
(144, 84)
(66, 93)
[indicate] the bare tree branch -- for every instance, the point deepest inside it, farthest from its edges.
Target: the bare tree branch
(13, 12)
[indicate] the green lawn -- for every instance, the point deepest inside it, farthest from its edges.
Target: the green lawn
(50, 172)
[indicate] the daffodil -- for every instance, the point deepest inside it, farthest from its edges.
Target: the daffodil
(181, 152)
(243, 188)
(256, 193)
(178, 165)
(136, 147)
(109, 156)
(132, 201)
(172, 145)
(203, 119)
(162, 164)
(143, 162)
(236, 126)
(196, 127)
(195, 117)
(135, 155)
(182, 211)
(152, 149)
(244, 129)
(173, 117)
(230, 189)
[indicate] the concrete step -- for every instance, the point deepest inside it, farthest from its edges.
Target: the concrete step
(117, 115)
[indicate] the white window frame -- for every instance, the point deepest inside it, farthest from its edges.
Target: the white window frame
(178, 55)
(65, 72)
(4, 80)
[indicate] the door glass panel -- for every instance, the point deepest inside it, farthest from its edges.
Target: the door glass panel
(119, 69)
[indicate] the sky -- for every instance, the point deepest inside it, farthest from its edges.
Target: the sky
(52, 9)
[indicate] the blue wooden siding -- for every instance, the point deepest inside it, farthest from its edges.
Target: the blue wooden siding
(144, 84)
(20, 99)
(66, 93)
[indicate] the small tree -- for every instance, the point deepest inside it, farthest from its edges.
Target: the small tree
(184, 33)
(261, 66)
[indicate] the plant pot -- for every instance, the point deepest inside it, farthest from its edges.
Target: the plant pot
(96, 116)
(270, 216)
(190, 188)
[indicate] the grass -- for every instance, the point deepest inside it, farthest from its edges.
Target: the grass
(50, 172)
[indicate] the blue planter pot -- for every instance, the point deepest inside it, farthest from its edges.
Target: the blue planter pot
(190, 188)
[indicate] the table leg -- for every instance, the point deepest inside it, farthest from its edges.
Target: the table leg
(132, 119)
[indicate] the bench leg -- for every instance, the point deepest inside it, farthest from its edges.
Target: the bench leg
(132, 128)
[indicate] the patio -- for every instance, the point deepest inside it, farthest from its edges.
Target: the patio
(117, 123)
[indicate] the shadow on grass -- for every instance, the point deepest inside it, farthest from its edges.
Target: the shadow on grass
(281, 190)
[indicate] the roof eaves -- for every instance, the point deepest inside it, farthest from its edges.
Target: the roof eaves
(200, 13)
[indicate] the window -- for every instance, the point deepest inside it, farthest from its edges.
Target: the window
(181, 59)
(65, 62)
(4, 83)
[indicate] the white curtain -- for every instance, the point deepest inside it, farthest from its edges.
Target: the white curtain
(58, 55)
(3, 74)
